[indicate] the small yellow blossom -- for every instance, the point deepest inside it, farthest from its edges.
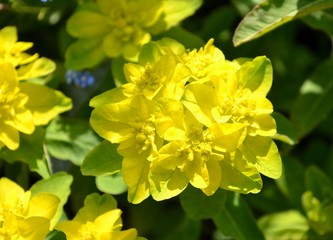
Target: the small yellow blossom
(12, 51)
(24, 105)
(104, 224)
(120, 27)
(204, 61)
(22, 216)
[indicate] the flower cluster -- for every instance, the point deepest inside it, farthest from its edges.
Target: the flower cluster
(24, 104)
(99, 219)
(120, 27)
(23, 216)
(190, 117)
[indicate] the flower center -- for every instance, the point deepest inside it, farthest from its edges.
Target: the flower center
(122, 23)
(145, 134)
(88, 232)
(238, 108)
(196, 148)
(198, 63)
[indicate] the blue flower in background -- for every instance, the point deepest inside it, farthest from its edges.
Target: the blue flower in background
(81, 79)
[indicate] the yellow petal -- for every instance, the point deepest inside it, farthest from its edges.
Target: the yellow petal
(129, 234)
(70, 228)
(263, 152)
(33, 228)
(87, 24)
(45, 103)
(43, 205)
(135, 172)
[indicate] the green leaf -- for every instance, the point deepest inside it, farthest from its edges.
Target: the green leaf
(198, 205)
(291, 182)
(285, 130)
(94, 206)
(70, 139)
(30, 151)
(316, 214)
(187, 229)
(271, 14)
(188, 39)
(322, 20)
(315, 100)
(84, 53)
(284, 225)
(102, 160)
(236, 220)
(59, 185)
(319, 184)
(113, 184)
(177, 10)
(117, 66)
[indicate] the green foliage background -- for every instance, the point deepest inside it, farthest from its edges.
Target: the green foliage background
(295, 34)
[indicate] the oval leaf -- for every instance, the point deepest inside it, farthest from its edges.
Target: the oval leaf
(102, 160)
(272, 14)
(197, 205)
(315, 100)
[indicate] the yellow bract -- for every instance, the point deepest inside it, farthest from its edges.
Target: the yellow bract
(23, 105)
(22, 216)
(120, 27)
(190, 117)
(99, 219)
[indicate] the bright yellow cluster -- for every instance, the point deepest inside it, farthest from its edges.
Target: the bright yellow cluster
(23, 216)
(119, 28)
(23, 104)
(99, 219)
(190, 117)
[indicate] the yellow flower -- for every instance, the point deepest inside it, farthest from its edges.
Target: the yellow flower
(132, 123)
(22, 216)
(102, 224)
(12, 51)
(164, 78)
(120, 27)
(192, 154)
(24, 105)
(15, 117)
(204, 61)
(190, 118)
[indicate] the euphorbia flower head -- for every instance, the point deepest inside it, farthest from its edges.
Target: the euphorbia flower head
(115, 28)
(190, 117)
(23, 104)
(22, 216)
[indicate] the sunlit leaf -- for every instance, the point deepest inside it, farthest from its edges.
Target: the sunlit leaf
(84, 53)
(113, 184)
(102, 160)
(31, 152)
(177, 10)
(70, 139)
(284, 226)
(271, 14)
(59, 185)
(94, 206)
